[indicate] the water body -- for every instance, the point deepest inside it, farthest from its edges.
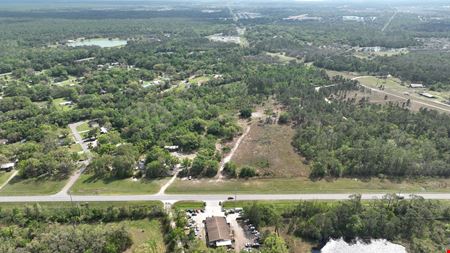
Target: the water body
(374, 246)
(100, 42)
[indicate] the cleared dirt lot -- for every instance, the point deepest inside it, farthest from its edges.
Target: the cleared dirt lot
(267, 147)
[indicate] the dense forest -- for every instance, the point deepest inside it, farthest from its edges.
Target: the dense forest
(419, 224)
(428, 67)
(355, 138)
(69, 229)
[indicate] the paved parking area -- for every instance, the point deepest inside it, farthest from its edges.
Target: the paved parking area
(241, 233)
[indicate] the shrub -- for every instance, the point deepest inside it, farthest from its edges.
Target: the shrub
(247, 172)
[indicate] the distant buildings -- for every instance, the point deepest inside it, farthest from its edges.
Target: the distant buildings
(171, 148)
(66, 103)
(427, 95)
(303, 17)
(353, 18)
(218, 232)
(416, 85)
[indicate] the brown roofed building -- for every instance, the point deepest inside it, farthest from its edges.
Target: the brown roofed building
(218, 232)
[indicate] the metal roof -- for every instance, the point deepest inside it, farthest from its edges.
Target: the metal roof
(217, 229)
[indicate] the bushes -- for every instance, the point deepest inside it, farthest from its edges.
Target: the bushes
(284, 118)
(83, 238)
(230, 169)
(247, 172)
(158, 163)
(245, 113)
(205, 164)
(39, 229)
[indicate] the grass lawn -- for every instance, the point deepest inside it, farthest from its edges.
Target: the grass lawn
(304, 185)
(4, 176)
(199, 80)
(57, 103)
(18, 187)
(87, 185)
(183, 205)
(282, 58)
(83, 127)
(279, 205)
(145, 234)
(70, 81)
(393, 85)
(75, 148)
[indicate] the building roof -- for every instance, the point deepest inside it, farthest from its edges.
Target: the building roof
(428, 95)
(7, 165)
(416, 85)
(217, 229)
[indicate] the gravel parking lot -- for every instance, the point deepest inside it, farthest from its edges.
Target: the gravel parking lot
(242, 232)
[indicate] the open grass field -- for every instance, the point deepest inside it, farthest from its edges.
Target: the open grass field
(83, 127)
(4, 176)
(279, 205)
(183, 205)
(304, 185)
(57, 103)
(268, 149)
(387, 53)
(70, 81)
(199, 80)
(18, 187)
(282, 57)
(376, 98)
(75, 148)
(399, 92)
(147, 236)
(87, 185)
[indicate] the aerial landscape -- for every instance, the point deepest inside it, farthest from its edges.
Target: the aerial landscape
(209, 126)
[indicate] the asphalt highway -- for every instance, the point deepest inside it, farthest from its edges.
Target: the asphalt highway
(212, 197)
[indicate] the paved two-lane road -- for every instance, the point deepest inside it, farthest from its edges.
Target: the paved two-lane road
(212, 197)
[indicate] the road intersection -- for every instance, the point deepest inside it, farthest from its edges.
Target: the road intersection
(64, 194)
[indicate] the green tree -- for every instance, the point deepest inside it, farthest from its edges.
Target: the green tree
(274, 244)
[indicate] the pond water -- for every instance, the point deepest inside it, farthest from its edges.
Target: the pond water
(100, 42)
(374, 246)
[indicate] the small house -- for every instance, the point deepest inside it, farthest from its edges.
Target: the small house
(171, 148)
(103, 130)
(416, 85)
(66, 103)
(7, 166)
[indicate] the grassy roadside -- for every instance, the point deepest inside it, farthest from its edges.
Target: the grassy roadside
(86, 185)
(304, 185)
(183, 205)
(279, 205)
(21, 187)
(4, 176)
(67, 204)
